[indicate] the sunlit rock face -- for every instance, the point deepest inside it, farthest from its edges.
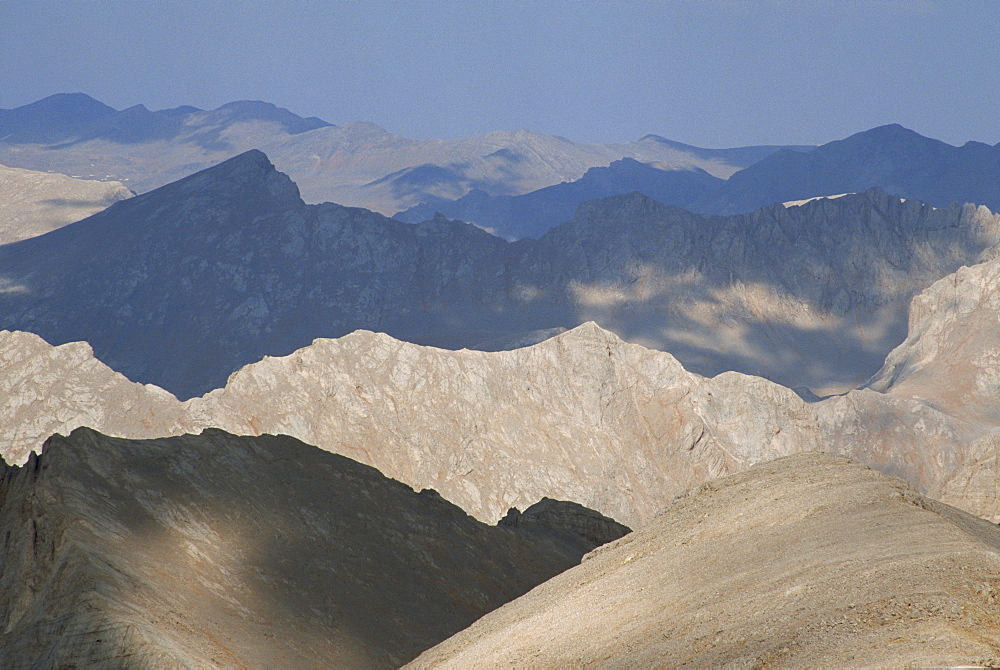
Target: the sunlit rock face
(214, 550)
(582, 417)
(33, 203)
(182, 286)
(810, 560)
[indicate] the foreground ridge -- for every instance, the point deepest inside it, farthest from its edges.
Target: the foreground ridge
(806, 560)
(211, 549)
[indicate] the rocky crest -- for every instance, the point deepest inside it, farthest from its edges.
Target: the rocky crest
(582, 417)
(207, 550)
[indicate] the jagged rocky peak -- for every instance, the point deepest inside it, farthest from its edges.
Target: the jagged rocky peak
(803, 561)
(250, 173)
(262, 551)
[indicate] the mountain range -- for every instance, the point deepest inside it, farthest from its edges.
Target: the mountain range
(255, 432)
(183, 285)
(355, 164)
(891, 158)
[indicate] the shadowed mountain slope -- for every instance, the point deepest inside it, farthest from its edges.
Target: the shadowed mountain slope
(213, 550)
(809, 560)
(891, 157)
(181, 286)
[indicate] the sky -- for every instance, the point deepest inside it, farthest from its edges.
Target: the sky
(712, 73)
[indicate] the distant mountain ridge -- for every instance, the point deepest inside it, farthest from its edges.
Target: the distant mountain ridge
(356, 164)
(891, 158)
(182, 286)
(70, 118)
(532, 214)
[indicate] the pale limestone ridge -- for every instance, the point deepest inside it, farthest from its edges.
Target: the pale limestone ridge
(951, 361)
(33, 203)
(214, 550)
(48, 390)
(810, 560)
(582, 416)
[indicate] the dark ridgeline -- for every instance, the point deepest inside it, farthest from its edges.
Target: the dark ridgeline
(184, 285)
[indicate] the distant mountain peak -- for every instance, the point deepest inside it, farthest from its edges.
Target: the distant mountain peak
(68, 106)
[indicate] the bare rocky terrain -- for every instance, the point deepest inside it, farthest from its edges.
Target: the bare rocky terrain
(32, 203)
(809, 560)
(213, 550)
(220, 269)
(582, 416)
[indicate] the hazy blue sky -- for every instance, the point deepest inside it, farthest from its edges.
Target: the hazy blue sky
(711, 73)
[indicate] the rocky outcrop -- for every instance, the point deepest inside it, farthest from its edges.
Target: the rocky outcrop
(214, 550)
(809, 560)
(49, 390)
(951, 356)
(582, 417)
(227, 266)
(548, 515)
(33, 203)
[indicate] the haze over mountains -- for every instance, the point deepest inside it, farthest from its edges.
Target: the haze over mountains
(891, 158)
(597, 353)
(357, 164)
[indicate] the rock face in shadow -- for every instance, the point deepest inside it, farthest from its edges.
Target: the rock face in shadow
(809, 560)
(208, 550)
(182, 286)
(33, 203)
(548, 515)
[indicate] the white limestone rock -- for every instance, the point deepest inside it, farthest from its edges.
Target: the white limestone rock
(32, 203)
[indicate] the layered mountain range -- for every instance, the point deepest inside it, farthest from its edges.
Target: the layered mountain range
(356, 164)
(182, 286)
(587, 352)
(891, 158)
